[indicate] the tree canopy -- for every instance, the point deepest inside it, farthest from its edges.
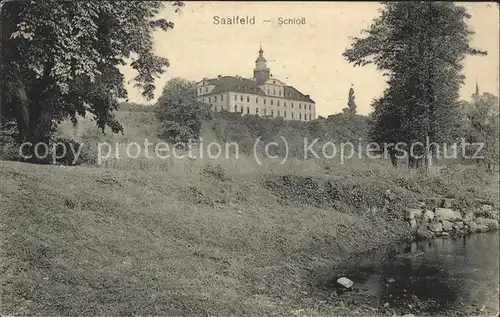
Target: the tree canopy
(420, 46)
(179, 113)
(60, 59)
(482, 125)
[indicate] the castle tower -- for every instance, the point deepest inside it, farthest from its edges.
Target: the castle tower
(261, 72)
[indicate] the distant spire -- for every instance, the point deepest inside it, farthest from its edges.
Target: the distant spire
(477, 88)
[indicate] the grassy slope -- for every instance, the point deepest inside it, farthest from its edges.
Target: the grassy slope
(95, 241)
(151, 238)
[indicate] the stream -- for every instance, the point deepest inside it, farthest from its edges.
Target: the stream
(456, 277)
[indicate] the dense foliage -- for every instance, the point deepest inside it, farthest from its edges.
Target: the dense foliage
(420, 46)
(481, 125)
(179, 113)
(60, 59)
(244, 130)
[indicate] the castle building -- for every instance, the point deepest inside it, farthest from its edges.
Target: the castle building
(262, 95)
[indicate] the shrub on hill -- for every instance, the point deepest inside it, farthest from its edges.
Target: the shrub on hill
(244, 130)
(179, 113)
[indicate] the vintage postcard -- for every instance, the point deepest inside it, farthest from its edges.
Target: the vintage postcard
(249, 158)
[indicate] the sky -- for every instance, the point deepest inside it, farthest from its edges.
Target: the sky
(307, 56)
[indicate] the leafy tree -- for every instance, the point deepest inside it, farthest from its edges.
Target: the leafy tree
(420, 46)
(60, 59)
(178, 111)
(482, 126)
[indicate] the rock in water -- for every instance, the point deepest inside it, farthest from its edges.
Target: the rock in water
(345, 282)
(424, 233)
(428, 216)
(435, 227)
(492, 224)
(408, 315)
(447, 225)
(473, 227)
(447, 214)
(482, 228)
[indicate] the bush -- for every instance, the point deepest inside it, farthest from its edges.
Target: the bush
(245, 129)
(179, 113)
(72, 147)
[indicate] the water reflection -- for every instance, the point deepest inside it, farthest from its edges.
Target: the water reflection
(431, 276)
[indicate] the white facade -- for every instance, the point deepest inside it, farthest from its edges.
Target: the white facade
(271, 97)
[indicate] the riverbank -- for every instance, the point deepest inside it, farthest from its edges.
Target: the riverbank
(99, 241)
(436, 218)
(438, 277)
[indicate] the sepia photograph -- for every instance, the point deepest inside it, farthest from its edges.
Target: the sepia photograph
(249, 158)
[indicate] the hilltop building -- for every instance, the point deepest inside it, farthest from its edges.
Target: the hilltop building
(262, 95)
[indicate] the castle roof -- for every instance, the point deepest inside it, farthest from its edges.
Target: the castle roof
(235, 84)
(244, 85)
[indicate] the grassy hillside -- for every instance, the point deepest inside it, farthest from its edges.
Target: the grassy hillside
(225, 127)
(98, 241)
(201, 237)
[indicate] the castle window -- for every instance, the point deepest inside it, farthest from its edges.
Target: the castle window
(278, 102)
(221, 97)
(257, 110)
(292, 115)
(274, 92)
(300, 116)
(248, 98)
(274, 81)
(272, 112)
(309, 106)
(292, 105)
(284, 102)
(268, 91)
(215, 98)
(209, 99)
(235, 97)
(241, 109)
(264, 100)
(206, 89)
(271, 102)
(241, 98)
(265, 111)
(235, 108)
(248, 110)
(278, 113)
(309, 116)
(280, 93)
(284, 114)
(256, 100)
